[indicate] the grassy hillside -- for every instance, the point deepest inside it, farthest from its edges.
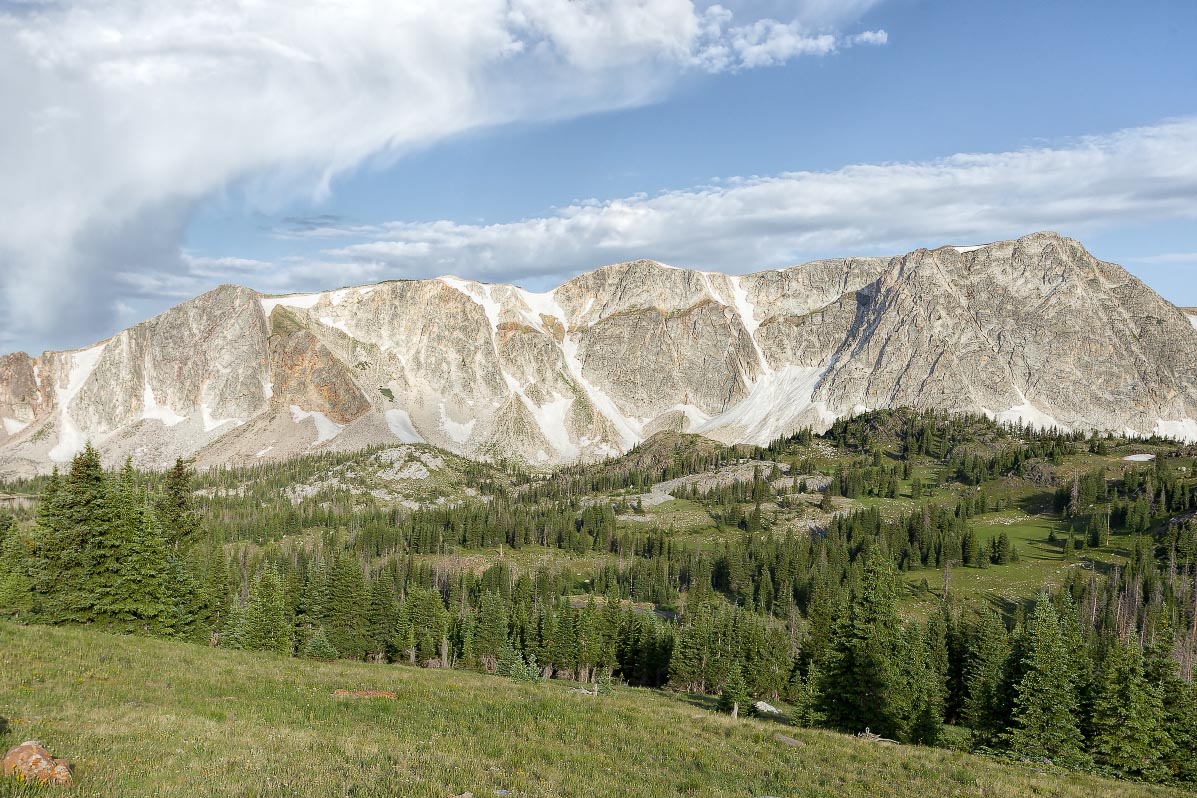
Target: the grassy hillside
(143, 717)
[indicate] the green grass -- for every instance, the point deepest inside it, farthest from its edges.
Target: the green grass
(1041, 563)
(143, 717)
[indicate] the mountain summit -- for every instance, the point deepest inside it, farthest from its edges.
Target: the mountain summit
(1035, 330)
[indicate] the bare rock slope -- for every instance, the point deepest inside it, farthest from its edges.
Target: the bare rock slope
(1035, 330)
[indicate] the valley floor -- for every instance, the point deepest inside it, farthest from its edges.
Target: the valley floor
(144, 717)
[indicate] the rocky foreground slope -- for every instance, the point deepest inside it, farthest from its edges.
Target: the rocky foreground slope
(1036, 330)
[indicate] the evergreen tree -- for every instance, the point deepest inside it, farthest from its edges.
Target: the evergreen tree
(264, 625)
(342, 599)
(734, 696)
(76, 509)
(490, 635)
(1045, 709)
(925, 686)
(142, 591)
(861, 685)
(983, 710)
(16, 584)
(1128, 719)
(175, 507)
(319, 648)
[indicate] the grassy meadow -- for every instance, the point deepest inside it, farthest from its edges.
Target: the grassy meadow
(145, 717)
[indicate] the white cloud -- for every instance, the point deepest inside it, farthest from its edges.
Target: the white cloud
(1135, 175)
(869, 37)
(120, 115)
(1168, 258)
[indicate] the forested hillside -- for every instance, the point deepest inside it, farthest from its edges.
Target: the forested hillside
(934, 579)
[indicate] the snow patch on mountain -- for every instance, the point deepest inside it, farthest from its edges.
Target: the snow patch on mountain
(70, 438)
(629, 430)
(301, 301)
(329, 321)
(151, 410)
(1028, 414)
(694, 416)
(211, 422)
(326, 428)
(544, 304)
(401, 426)
(458, 431)
(12, 426)
(774, 406)
(551, 418)
(481, 293)
(1192, 319)
(1185, 428)
(747, 312)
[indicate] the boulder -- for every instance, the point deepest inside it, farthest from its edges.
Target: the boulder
(30, 762)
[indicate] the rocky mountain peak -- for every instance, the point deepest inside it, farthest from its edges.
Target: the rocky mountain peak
(1034, 330)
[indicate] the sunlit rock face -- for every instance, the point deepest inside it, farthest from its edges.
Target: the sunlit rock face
(1034, 330)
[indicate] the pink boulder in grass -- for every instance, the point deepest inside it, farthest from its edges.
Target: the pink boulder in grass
(30, 762)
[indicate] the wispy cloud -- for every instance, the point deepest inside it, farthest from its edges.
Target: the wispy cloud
(120, 115)
(1167, 258)
(740, 224)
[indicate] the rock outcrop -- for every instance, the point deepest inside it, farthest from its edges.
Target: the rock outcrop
(1035, 330)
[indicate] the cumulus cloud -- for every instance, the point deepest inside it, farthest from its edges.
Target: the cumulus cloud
(738, 225)
(120, 115)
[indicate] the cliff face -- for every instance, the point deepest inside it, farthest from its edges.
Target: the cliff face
(1034, 330)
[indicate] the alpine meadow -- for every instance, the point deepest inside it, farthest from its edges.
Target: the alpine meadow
(611, 398)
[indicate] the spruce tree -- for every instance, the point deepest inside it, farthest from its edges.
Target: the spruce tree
(76, 511)
(734, 696)
(861, 685)
(490, 635)
(175, 507)
(264, 625)
(1045, 708)
(983, 710)
(16, 584)
(319, 648)
(142, 593)
(1128, 719)
(341, 606)
(925, 687)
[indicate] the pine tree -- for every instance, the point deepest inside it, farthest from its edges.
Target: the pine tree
(925, 686)
(264, 625)
(319, 648)
(383, 613)
(804, 696)
(983, 711)
(341, 604)
(144, 586)
(422, 627)
(16, 585)
(76, 509)
(490, 635)
(175, 508)
(861, 685)
(1045, 709)
(734, 696)
(1128, 719)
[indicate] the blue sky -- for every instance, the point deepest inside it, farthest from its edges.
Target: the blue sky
(842, 128)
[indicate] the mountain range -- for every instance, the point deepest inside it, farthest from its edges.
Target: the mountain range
(1034, 330)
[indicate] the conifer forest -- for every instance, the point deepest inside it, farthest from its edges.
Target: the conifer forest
(934, 580)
